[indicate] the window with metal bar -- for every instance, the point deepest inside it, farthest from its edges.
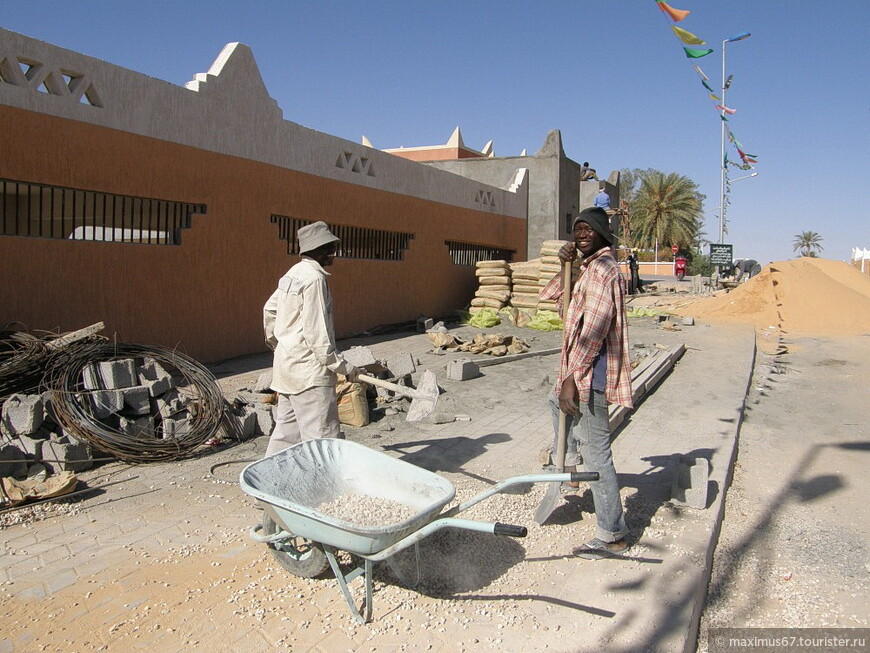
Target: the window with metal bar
(356, 242)
(469, 253)
(44, 211)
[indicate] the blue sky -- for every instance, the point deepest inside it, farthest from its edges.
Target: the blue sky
(610, 75)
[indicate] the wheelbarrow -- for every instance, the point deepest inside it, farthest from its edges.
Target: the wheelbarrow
(293, 483)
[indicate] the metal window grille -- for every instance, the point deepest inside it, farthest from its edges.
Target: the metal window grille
(469, 253)
(356, 242)
(43, 211)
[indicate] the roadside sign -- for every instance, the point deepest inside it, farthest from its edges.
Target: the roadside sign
(675, 248)
(721, 254)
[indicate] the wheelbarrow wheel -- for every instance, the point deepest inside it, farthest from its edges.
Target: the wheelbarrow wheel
(299, 556)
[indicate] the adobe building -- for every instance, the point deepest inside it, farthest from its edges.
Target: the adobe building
(556, 193)
(169, 212)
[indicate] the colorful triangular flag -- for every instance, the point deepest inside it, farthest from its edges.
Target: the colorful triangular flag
(692, 53)
(687, 37)
(707, 86)
(722, 107)
(700, 72)
(676, 14)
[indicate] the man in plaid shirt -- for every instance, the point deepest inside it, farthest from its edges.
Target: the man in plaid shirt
(594, 372)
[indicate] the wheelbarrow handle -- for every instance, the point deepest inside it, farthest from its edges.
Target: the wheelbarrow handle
(584, 477)
(510, 530)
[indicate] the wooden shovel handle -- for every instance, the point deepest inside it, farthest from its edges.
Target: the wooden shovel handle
(562, 441)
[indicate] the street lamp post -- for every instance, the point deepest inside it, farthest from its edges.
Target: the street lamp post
(725, 84)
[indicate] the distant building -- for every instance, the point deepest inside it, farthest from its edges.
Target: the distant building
(556, 193)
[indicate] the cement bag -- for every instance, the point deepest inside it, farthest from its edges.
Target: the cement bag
(499, 295)
(486, 302)
(494, 281)
(551, 260)
(526, 289)
(492, 272)
(491, 264)
(353, 406)
(484, 319)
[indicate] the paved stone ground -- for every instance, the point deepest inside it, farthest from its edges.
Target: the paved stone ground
(161, 559)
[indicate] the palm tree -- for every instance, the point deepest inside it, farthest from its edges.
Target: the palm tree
(667, 209)
(808, 242)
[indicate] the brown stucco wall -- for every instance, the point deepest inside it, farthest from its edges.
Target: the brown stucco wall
(207, 294)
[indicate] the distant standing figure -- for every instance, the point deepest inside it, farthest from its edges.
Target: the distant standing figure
(297, 320)
(634, 278)
(602, 200)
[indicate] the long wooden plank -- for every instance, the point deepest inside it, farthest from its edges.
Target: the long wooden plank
(73, 336)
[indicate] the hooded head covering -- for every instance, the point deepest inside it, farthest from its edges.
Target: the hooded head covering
(596, 218)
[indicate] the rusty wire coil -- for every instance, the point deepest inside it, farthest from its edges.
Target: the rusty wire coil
(22, 357)
(73, 410)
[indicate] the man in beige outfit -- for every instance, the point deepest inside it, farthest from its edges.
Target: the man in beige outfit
(297, 320)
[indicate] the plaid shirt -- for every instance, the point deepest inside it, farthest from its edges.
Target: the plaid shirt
(596, 312)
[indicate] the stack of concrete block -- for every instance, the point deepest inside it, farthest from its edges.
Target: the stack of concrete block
(137, 397)
(525, 289)
(29, 433)
(494, 290)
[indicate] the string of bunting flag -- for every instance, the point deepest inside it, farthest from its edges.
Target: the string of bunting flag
(688, 39)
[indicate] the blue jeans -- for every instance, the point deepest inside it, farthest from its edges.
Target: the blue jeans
(589, 436)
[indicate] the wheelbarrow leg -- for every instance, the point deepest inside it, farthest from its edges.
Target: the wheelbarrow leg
(366, 570)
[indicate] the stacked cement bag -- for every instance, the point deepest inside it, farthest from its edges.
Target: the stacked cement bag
(550, 266)
(494, 291)
(525, 289)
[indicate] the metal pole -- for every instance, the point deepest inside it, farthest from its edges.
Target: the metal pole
(722, 156)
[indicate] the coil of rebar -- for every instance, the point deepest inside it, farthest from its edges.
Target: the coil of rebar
(73, 410)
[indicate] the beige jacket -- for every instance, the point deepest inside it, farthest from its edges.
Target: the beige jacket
(297, 320)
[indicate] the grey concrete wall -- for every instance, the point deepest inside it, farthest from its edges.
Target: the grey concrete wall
(554, 182)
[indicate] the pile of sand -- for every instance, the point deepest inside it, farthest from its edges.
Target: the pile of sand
(811, 296)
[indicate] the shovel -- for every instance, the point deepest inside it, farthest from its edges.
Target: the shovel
(423, 398)
(554, 492)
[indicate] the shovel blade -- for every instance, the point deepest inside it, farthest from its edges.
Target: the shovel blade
(548, 503)
(424, 398)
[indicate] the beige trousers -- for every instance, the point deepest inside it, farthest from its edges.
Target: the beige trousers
(311, 414)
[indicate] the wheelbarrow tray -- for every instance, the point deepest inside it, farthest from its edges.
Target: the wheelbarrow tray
(295, 482)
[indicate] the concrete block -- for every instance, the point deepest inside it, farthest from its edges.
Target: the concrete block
(22, 414)
(168, 404)
(264, 383)
(73, 457)
(248, 422)
(106, 402)
(265, 419)
(176, 426)
(424, 323)
(690, 481)
(688, 321)
(441, 418)
(110, 375)
(136, 400)
(359, 356)
(401, 365)
(30, 446)
(16, 465)
(462, 370)
(153, 376)
(137, 426)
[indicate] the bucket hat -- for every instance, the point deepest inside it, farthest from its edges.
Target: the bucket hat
(314, 235)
